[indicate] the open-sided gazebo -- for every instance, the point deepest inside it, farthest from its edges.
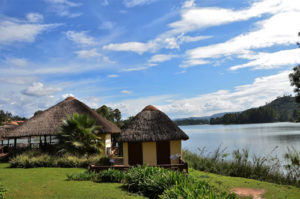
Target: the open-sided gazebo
(47, 124)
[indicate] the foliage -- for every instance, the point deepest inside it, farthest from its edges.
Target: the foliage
(155, 182)
(280, 110)
(292, 157)
(190, 121)
(240, 165)
(33, 159)
(83, 176)
(78, 136)
(295, 81)
(2, 191)
(113, 115)
(110, 175)
(7, 116)
(191, 189)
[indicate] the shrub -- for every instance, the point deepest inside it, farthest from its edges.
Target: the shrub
(151, 181)
(2, 191)
(240, 165)
(32, 159)
(110, 175)
(194, 190)
(154, 181)
(84, 176)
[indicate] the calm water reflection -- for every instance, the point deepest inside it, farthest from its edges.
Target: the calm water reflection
(259, 139)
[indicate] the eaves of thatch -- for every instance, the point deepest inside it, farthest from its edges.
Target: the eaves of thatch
(49, 122)
(152, 125)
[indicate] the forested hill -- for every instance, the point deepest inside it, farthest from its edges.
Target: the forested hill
(281, 109)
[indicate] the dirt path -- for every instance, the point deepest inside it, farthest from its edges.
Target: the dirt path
(255, 193)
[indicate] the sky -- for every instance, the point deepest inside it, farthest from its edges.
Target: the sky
(188, 58)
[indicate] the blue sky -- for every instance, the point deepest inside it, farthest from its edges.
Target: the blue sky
(187, 57)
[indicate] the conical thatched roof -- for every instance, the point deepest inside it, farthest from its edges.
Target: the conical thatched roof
(152, 125)
(49, 121)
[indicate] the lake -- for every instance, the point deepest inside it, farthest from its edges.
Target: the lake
(260, 139)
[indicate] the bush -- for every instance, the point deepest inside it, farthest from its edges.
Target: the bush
(110, 175)
(194, 190)
(259, 168)
(155, 182)
(32, 159)
(84, 176)
(2, 191)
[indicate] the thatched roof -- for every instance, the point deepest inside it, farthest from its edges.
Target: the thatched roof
(50, 121)
(152, 125)
(5, 129)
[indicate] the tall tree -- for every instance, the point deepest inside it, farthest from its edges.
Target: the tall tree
(295, 79)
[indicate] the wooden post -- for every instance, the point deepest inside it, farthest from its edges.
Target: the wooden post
(15, 142)
(8, 142)
(40, 142)
(1, 142)
(45, 140)
(29, 142)
(50, 139)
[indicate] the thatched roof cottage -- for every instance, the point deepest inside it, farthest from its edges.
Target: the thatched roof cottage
(49, 122)
(152, 138)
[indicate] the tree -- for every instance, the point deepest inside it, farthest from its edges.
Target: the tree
(113, 115)
(295, 79)
(78, 136)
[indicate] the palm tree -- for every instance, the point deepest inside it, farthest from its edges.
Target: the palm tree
(78, 136)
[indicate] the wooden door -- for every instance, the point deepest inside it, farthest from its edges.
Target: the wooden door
(163, 152)
(135, 153)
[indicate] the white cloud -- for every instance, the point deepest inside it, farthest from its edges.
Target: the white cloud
(112, 76)
(162, 57)
(132, 106)
(63, 8)
(279, 29)
(38, 89)
(85, 54)
(137, 47)
(193, 62)
(188, 4)
(167, 41)
(262, 90)
(272, 60)
(107, 25)
(187, 39)
(64, 96)
(14, 30)
(81, 38)
(20, 62)
(34, 17)
(126, 92)
(133, 3)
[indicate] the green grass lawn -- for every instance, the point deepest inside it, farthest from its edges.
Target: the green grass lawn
(44, 183)
(225, 183)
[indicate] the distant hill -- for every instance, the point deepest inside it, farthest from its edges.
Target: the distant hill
(197, 120)
(282, 109)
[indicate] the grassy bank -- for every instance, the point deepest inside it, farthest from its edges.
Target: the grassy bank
(226, 183)
(50, 183)
(240, 164)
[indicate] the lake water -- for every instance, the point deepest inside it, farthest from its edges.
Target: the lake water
(260, 139)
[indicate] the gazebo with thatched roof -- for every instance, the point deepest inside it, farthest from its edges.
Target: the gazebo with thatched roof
(152, 138)
(48, 123)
